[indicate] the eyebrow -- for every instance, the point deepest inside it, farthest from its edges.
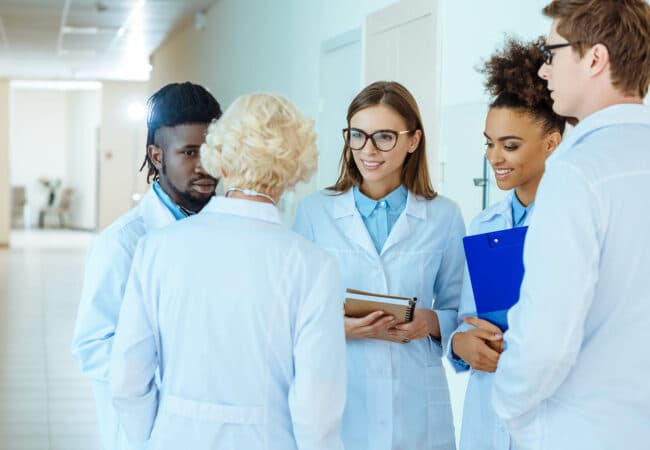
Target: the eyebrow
(503, 138)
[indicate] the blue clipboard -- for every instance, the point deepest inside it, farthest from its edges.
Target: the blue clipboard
(496, 269)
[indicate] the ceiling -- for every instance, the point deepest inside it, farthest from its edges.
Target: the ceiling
(87, 39)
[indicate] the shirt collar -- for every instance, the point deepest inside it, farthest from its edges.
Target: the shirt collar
(612, 115)
(244, 208)
(519, 211)
(396, 200)
(177, 211)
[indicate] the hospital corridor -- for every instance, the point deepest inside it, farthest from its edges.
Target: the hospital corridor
(324, 224)
(45, 401)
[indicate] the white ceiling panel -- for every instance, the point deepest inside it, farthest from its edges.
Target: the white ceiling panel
(87, 39)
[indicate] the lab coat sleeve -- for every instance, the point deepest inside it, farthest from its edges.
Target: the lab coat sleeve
(449, 280)
(134, 358)
(107, 268)
(317, 395)
(302, 223)
(561, 258)
(467, 309)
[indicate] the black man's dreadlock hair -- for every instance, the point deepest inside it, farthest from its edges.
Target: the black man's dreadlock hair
(177, 104)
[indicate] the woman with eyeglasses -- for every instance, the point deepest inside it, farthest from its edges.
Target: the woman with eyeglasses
(521, 131)
(392, 234)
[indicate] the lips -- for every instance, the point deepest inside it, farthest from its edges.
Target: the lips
(204, 186)
(371, 165)
(500, 174)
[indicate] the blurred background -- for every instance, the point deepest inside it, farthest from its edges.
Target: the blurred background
(74, 79)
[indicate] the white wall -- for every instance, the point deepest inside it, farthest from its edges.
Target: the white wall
(53, 135)
(38, 124)
(122, 142)
(83, 117)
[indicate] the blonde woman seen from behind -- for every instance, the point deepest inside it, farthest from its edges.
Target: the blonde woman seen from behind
(233, 308)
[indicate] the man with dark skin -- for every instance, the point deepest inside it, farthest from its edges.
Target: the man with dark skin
(179, 115)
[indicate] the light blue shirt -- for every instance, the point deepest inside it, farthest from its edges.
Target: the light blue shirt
(520, 213)
(481, 429)
(239, 315)
(575, 372)
(398, 396)
(379, 216)
(177, 211)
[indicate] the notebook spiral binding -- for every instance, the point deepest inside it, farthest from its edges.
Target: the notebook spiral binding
(410, 311)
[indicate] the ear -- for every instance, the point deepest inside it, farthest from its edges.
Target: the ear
(415, 141)
(223, 172)
(155, 154)
(599, 55)
(553, 141)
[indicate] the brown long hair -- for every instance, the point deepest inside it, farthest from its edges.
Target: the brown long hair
(415, 174)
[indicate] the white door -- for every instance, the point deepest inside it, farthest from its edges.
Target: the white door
(340, 80)
(400, 44)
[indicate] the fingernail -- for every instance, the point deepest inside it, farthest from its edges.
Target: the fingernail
(498, 336)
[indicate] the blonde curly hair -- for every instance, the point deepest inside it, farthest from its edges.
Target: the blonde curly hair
(262, 142)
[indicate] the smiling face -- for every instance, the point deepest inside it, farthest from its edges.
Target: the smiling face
(382, 171)
(516, 148)
(178, 161)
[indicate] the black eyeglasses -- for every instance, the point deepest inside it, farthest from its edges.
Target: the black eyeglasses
(547, 55)
(383, 140)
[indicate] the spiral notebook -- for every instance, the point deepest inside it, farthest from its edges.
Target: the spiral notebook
(361, 303)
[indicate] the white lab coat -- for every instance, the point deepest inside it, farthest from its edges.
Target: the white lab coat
(574, 375)
(481, 429)
(108, 263)
(240, 316)
(398, 396)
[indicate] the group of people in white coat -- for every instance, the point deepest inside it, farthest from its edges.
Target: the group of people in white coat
(226, 330)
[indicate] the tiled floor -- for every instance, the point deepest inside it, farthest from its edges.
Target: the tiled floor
(45, 403)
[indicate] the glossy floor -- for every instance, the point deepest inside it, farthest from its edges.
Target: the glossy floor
(45, 403)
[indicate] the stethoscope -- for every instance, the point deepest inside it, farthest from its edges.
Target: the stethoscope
(250, 193)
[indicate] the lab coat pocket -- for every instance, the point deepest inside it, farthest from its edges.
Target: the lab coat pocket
(193, 424)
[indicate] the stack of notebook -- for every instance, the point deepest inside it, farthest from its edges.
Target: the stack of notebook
(361, 303)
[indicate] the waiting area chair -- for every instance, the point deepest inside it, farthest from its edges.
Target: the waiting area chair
(61, 211)
(18, 202)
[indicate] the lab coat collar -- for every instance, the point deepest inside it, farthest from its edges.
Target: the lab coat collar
(154, 212)
(502, 208)
(344, 206)
(612, 115)
(244, 208)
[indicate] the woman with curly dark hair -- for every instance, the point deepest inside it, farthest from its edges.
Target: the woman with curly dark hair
(521, 131)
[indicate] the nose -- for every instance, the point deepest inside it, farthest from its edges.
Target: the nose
(543, 71)
(494, 155)
(199, 167)
(369, 147)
